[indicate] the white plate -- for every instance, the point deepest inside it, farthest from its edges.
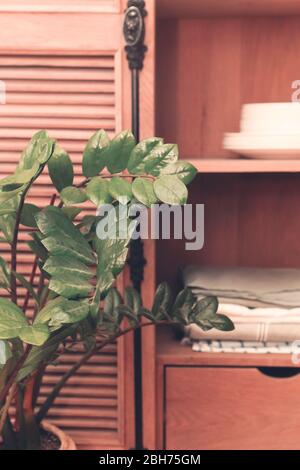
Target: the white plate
(263, 146)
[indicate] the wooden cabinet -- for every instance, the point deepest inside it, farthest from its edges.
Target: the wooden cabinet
(65, 71)
(230, 408)
(211, 57)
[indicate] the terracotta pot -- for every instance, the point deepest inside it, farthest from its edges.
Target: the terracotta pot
(66, 443)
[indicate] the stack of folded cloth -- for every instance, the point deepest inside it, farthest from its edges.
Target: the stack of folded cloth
(264, 305)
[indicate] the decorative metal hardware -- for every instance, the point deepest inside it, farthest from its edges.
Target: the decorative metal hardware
(134, 33)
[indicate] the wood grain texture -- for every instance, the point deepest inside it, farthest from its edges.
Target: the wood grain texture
(194, 8)
(231, 408)
(103, 6)
(70, 84)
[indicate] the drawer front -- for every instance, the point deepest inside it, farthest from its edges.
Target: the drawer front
(230, 408)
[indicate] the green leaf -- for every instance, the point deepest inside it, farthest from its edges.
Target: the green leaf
(160, 157)
(39, 150)
(71, 211)
(60, 169)
(69, 277)
(185, 171)
(12, 319)
(4, 274)
(170, 190)
(112, 301)
(5, 352)
(20, 176)
(61, 311)
(119, 151)
(133, 299)
(28, 214)
(222, 323)
(61, 236)
(124, 311)
(7, 226)
(143, 191)
(7, 195)
(112, 254)
(71, 195)
(183, 306)
(120, 189)
(138, 156)
(162, 302)
(94, 155)
(97, 191)
(35, 335)
(204, 311)
(37, 247)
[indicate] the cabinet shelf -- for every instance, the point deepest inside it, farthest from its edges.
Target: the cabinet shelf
(241, 165)
(194, 8)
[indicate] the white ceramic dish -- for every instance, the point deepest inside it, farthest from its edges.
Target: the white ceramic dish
(263, 146)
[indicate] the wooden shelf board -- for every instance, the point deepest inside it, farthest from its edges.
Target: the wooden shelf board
(241, 165)
(170, 352)
(194, 8)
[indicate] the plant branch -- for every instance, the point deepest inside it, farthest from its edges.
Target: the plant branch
(5, 408)
(51, 398)
(14, 373)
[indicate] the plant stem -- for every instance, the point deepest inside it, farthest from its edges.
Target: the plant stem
(14, 374)
(5, 408)
(51, 398)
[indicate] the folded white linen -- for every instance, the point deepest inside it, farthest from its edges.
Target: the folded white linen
(254, 286)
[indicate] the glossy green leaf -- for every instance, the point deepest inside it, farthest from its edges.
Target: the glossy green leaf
(170, 190)
(7, 195)
(138, 156)
(20, 176)
(119, 151)
(160, 157)
(162, 302)
(143, 191)
(39, 150)
(97, 191)
(61, 236)
(112, 301)
(69, 277)
(120, 189)
(61, 311)
(60, 169)
(71, 195)
(71, 211)
(12, 319)
(35, 335)
(28, 214)
(133, 299)
(37, 247)
(222, 323)
(95, 154)
(7, 226)
(185, 171)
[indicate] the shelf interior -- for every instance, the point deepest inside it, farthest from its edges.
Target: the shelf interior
(196, 8)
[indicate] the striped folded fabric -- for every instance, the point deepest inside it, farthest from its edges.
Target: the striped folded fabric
(275, 287)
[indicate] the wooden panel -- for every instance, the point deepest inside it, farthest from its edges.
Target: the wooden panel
(232, 408)
(234, 61)
(249, 221)
(71, 95)
(88, 32)
(103, 6)
(193, 8)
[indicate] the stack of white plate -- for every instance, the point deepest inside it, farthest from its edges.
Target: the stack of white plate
(268, 130)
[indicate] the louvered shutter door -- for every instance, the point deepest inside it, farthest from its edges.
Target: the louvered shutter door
(71, 86)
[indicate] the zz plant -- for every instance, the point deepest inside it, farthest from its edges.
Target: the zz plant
(76, 299)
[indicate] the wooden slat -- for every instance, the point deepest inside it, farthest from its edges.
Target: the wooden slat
(71, 96)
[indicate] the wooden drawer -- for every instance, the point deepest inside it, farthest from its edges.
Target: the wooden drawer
(231, 408)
